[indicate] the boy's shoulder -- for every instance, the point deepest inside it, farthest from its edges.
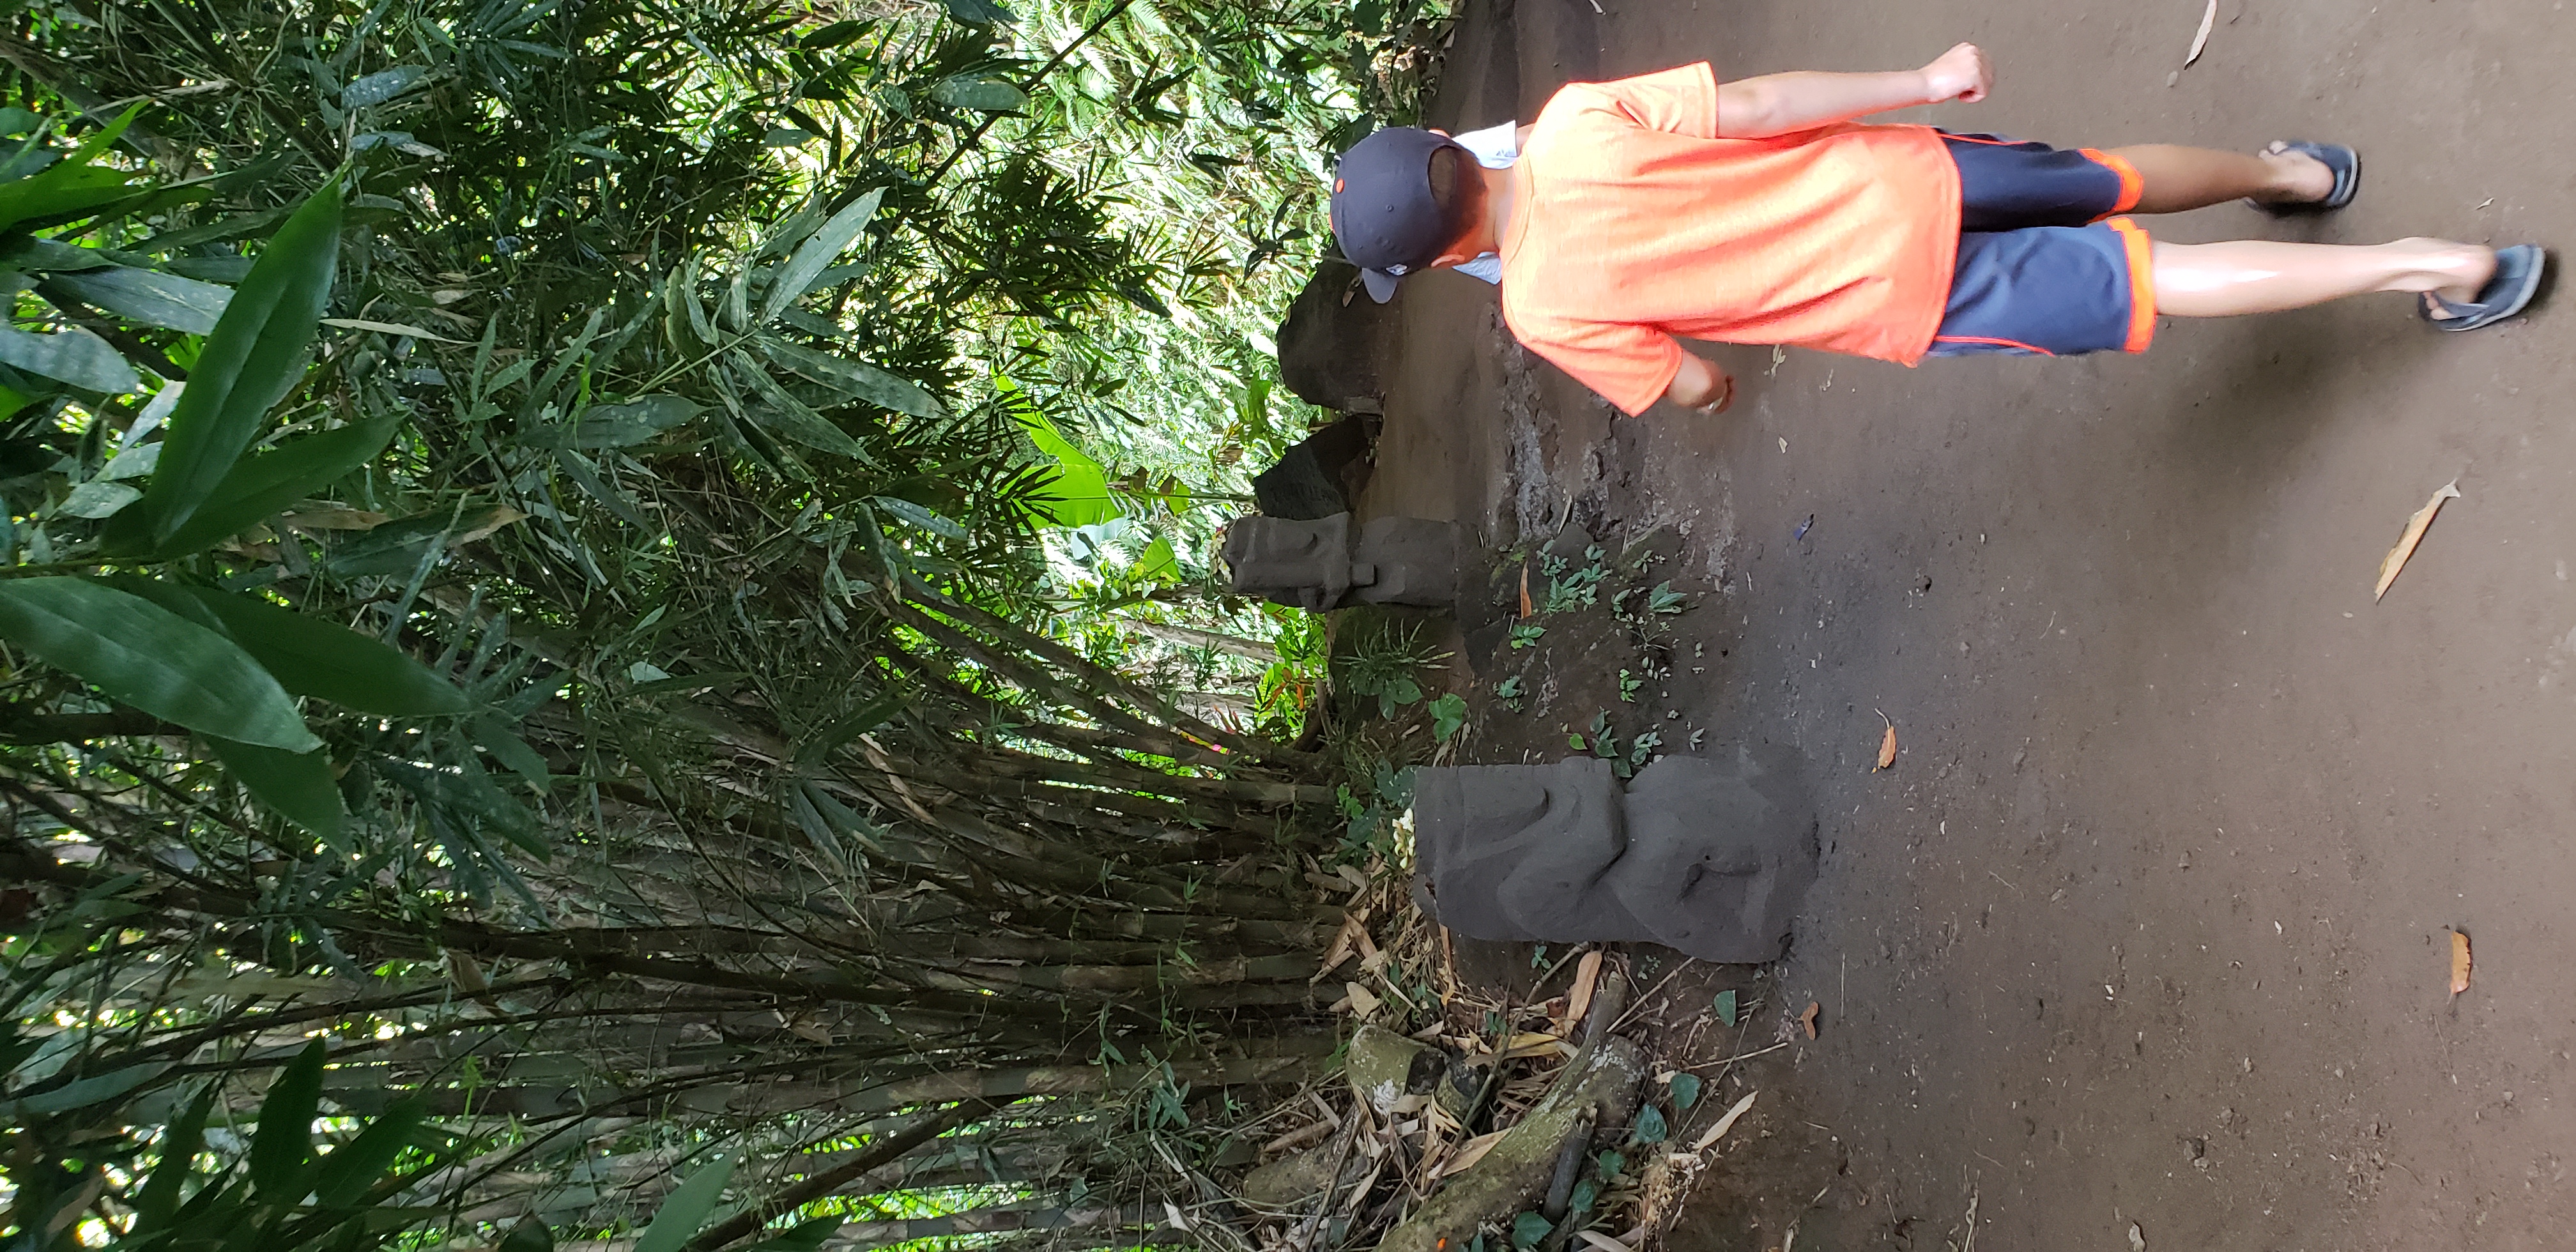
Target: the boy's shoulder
(1680, 100)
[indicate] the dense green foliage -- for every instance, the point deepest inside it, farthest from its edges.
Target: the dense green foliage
(597, 592)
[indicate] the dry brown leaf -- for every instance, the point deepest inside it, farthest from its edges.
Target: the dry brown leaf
(332, 517)
(2208, 19)
(2459, 961)
(1469, 1153)
(1886, 746)
(1724, 1124)
(493, 519)
(1345, 941)
(1808, 1018)
(1525, 599)
(2415, 528)
(1586, 973)
(388, 328)
(1602, 1243)
(1361, 1000)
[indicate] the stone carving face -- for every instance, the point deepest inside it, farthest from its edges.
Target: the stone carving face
(1407, 560)
(1714, 867)
(1710, 857)
(1307, 564)
(1515, 852)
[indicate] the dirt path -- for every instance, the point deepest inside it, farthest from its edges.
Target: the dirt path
(2147, 925)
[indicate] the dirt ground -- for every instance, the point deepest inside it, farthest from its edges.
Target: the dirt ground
(2148, 923)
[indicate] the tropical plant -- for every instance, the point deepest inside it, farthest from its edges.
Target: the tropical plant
(542, 555)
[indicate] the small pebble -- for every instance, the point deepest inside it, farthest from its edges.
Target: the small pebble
(2172, 78)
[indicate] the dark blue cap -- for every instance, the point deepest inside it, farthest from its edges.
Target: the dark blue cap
(1383, 212)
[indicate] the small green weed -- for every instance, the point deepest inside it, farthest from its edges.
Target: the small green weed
(1390, 667)
(1448, 716)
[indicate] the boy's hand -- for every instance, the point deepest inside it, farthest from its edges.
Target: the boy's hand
(1700, 386)
(1960, 74)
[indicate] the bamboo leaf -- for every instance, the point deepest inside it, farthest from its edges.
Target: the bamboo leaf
(815, 750)
(143, 655)
(381, 86)
(310, 656)
(906, 511)
(98, 497)
(980, 92)
(686, 1212)
(263, 486)
(314, 657)
(585, 475)
(788, 417)
(253, 357)
(508, 748)
(74, 356)
(297, 785)
(281, 1148)
(817, 253)
(856, 379)
(622, 425)
(71, 186)
(467, 793)
(154, 299)
(346, 1174)
(179, 1146)
(96, 1089)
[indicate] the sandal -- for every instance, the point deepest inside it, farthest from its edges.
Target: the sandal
(2517, 279)
(2345, 163)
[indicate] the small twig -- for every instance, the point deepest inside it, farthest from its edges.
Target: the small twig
(1640, 1005)
(1745, 1056)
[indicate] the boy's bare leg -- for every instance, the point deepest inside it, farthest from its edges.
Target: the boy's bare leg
(2177, 178)
(2259, 276)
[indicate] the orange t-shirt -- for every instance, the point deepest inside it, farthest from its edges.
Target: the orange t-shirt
(1634, 223)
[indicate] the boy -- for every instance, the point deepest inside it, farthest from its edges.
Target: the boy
(1758, 212)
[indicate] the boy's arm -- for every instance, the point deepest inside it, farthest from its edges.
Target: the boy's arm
(1783, 104)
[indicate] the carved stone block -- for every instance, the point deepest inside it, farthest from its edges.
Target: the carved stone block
(1317, 565)
(1306, 564)
(1707, 856)
(1412, 562)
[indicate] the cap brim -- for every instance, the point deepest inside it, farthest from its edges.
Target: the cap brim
(1380, 284)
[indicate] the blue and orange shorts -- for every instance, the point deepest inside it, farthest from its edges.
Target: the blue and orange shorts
(2047, 266)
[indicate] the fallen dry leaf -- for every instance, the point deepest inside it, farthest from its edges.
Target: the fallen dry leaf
(1586, 973)
(2459, 961)
(328, 516)
(1340, 949)
(1360, 999)
(2415, 527)
(1724, 1124)
(1808, 1018)
(1602, 1242)
(1469, 1153)
(1886, 746)
(1525, 600)
(488, 521)
(2137, 1237)
(2208, 19)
